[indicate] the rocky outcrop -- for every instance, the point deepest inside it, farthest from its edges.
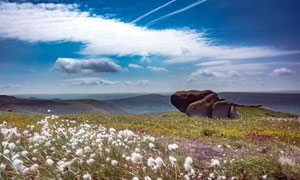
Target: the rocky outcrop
(182, 99)
(204, 104)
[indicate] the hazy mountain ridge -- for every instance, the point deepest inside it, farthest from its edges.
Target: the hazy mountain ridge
(34, 106)
(145, 103)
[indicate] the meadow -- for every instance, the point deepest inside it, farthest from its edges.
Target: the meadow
(261, 145)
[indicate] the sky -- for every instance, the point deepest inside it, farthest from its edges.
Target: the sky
(113, 46)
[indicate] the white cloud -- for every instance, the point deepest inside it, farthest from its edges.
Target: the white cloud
(61, 22)
(90, 81)
(135, 66)
(233, 74)
(77, 66)
(281, 72)
(204, 73)
(9, 85)
(100, 81)
(253, 73)
(159, 69)
(213, 63)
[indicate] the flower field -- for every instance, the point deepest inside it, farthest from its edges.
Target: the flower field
(97, 146)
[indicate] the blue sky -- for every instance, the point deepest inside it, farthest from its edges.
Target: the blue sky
(148, 46)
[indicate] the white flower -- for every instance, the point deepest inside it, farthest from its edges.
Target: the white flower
(172, 147)
(2, 167)
(188, 160)
(151, 162)
(215, 163)
(172, 159)
(34, 167)
(11, 146)
(24, 153)
(211, 175)
(90, 161)
(114, 162)
(135, 178)
(49, 162)
(136, 157)
(6, 151)
(79, 152)
(147, 178)
(87, 149)
(87, 176)
(159, 162)
(187, 167)
(264, 176)
(221, 178)
(159, 179)
(151, 145)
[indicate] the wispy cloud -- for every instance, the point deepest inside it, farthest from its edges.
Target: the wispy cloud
(159, 69)
(99, 82)
(281, 72)
(135, 66)
(90, 81)
(213, 63)
(47, 22)
(176, 12)
(152, 11)
(9, 85)
(83, 66)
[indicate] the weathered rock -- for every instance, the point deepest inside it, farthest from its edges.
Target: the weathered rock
(182, 99)
(221, 109)
(233, 113)
(202, 107)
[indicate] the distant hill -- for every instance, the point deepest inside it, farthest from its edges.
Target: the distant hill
(144, 103)
(34, 106)
(289, 103)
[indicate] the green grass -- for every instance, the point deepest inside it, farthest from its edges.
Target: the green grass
(258, 136)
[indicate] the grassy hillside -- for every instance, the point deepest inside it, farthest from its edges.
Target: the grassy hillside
(144, 103)
(262, 143)
(33, 106)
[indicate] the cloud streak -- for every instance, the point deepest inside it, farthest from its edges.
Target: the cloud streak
(152, 11)
(281, 72)
(93, 81)
(158, 69)
(78, 66)
(135, 66)
(176, 12)
(66, 23)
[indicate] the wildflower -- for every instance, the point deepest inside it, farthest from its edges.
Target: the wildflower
(2, 167)
(11, 146)
(114, 162)
(79, 152)
(49, 162)
(136, 157)
(135, 178)
(24, 153)
(264, 176)
(151, 162)
(87, 149)
(187, 167)
(34, 167)
(151, 145)
(159, 162)
(172, 159)
(6, 151)
(188, 160)
(147, 178)
(221, 178)
(211, 175)
(87, 176)
(215, 163)
(90, 161)
(172, 147)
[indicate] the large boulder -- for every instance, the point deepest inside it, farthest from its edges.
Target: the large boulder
(202, 107)
(221, 109)
(182, 99)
